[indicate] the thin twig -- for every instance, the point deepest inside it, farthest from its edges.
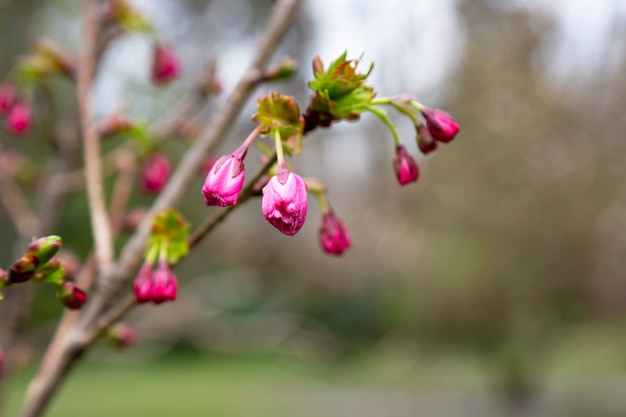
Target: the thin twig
(112, 280)
(17, 206)
(100, 226)
(123, 188)
(127, 303)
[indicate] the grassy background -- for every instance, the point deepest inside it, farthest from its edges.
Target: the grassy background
(588, 378)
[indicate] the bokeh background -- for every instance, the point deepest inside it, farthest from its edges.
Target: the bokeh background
(493, 287)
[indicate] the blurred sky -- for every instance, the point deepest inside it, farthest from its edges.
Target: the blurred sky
(426, 35)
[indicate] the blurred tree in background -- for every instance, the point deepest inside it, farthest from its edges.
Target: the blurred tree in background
(510, 250)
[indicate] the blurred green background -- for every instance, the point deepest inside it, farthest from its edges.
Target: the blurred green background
(495, 286)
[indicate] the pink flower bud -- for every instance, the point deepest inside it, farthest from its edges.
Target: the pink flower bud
(405, 166)
(156, 171)
(19, 119)
(334, 236)
(7, 98)
(425, 141)
(165, 66)
(440, 125)
(71, 296)
(224, 181)
(164, 286)
(142, 286)
(284, 202)
(122, 335)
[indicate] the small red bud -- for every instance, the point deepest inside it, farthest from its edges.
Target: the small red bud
(164, 285)
(440, 124)
(19, 119)
(425, 142)
(71, 296)
(165, 65)
(142, 286)
(334, 236)
(122, 335)
(7, 98)
(156, 172)
(405, 166)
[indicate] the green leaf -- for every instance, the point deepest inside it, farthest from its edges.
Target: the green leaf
(169, 231)
(340, 91)
(52, 272)
(280, 113)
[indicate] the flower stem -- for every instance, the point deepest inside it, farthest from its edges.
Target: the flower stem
(382, 115)
(243, 149)
(279, 148)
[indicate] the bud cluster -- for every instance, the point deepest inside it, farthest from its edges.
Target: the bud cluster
(45, 60)
(339, 93)
(40, 264)
(156, 282)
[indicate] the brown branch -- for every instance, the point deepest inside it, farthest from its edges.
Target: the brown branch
(100, 226)
(112, 280)
(17, 206)
(127, 303)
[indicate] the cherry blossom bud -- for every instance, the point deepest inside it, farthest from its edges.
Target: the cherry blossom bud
(7, 98)
(164, 285)
(224, 181)
(425, 142)
(19, 118)
(23, 269)
(280, 71)
(122, 335)
(405, 166)
(440, 125)
(165, 66)
(284, 202)
(142, 286)
(334, 236)
(133, 218)
(44, 248)
(156, 171)
(71, 296)
(318, 65)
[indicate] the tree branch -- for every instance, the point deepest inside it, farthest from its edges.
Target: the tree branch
(100, 226)
(112, 280)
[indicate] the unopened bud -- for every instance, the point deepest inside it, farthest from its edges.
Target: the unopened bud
(19, 119)
(58, 59)
(165, 65)
(22, 270)
(318, 65)
(280, 71)
(122, 335)
(133, 218)
(7, 97)
(71, 296)
(440, 124)
(425, 142)
(156, 172)
(405, 166)
(44, 248)
(52, 271)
